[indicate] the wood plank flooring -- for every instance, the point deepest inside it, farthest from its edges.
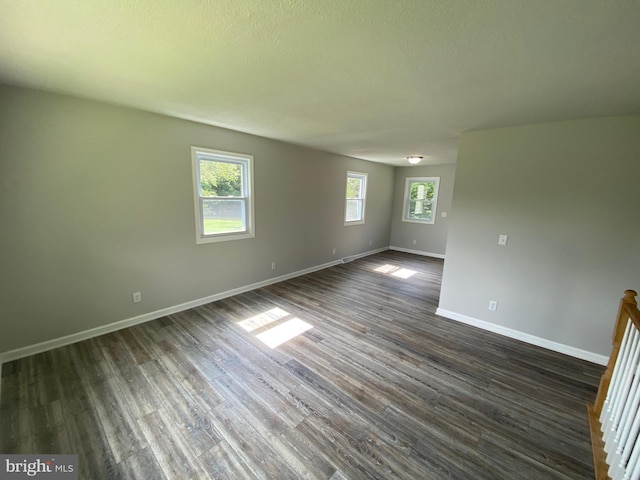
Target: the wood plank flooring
(379, 388)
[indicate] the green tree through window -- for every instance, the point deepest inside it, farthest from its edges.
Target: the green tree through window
(421, 195)
(355, 198)
(220, 179)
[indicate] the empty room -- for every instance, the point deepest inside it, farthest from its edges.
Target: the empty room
(324, 240)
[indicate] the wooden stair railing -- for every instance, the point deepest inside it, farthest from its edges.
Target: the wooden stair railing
(614, 417)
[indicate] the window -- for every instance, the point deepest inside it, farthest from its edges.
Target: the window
(420, 198)
(223, 191)
(356, 194)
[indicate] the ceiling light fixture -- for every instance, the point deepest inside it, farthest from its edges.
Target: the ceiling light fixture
(414, 159)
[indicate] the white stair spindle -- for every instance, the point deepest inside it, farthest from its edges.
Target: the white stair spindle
(616, 378)
(623, 440)
(623, 391)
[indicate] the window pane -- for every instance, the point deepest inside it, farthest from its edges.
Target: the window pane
(354, 210)
(422, 190)
(220, 179)
(420, 199)
(419, 210)
(354, 187)
(223, 216)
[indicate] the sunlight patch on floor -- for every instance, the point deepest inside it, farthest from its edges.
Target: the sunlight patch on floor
(284, 332)
(262, 319)
(396, 271)
(404, 273)
(386, 268)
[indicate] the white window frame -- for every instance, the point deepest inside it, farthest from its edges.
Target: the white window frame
(246, 162)
(362, 198)
(434, 203)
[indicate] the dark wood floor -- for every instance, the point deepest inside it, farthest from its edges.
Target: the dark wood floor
(380, 387)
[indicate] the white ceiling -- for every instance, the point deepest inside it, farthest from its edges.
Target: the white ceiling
(373, 79)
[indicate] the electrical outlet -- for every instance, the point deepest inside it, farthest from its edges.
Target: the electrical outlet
(414, 242)
(273, 265)
(370, 242)
(334, 251)
(493, 305)
(137, 297)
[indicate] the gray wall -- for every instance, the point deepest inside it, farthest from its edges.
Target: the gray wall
(568, 196)
(430, 239)
(96, 202)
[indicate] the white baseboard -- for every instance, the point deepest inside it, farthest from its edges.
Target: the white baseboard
(351, 258)
(417, 252)
(129, 322)
(525, 337)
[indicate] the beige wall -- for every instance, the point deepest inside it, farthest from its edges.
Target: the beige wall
(430, 239)
(96, 202)
(568, 196)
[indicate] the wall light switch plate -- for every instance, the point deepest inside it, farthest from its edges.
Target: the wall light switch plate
(502, 239)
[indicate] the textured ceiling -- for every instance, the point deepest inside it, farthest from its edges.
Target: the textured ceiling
(373, 79)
